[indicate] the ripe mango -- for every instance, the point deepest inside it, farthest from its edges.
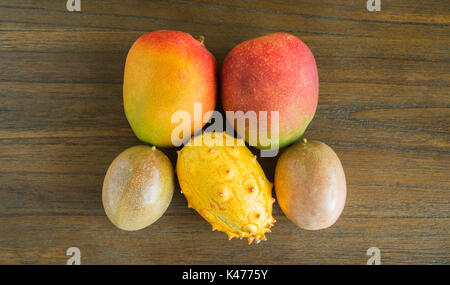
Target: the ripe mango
(275, 72)
(165, 72)
(226, 186)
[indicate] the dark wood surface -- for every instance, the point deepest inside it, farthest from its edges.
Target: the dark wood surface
(384, 106)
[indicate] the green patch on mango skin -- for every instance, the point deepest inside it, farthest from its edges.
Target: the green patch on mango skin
(288, 140)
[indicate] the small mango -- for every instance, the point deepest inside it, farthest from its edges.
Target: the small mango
(226, 185)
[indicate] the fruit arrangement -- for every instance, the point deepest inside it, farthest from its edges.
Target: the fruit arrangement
(167, 72)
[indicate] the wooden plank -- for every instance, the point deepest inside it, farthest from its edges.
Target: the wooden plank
(91, 40)
(149, 15)
(53, 194)
(177, 240)
(363, 163)
(108, 68)
(401, 11)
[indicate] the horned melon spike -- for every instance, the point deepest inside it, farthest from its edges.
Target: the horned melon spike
(229, 188)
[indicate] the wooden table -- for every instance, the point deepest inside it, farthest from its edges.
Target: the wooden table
(384, 106)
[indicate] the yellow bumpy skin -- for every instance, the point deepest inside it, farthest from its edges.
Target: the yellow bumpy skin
(226, 186)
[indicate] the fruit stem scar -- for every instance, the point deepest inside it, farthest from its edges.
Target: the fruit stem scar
(201, 39)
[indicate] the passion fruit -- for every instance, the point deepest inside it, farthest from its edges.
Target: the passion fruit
(310, 185)
(138, 187)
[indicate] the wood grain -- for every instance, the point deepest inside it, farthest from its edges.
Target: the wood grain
(384, 106)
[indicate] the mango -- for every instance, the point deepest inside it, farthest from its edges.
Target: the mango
(275, 72)
(226, 185)
(166, 72)
(310, 185)
(138, 187)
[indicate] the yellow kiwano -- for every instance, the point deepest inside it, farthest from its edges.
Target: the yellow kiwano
(225, 184)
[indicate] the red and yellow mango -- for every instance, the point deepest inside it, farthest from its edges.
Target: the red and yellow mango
(166, 72)
(276, 72)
